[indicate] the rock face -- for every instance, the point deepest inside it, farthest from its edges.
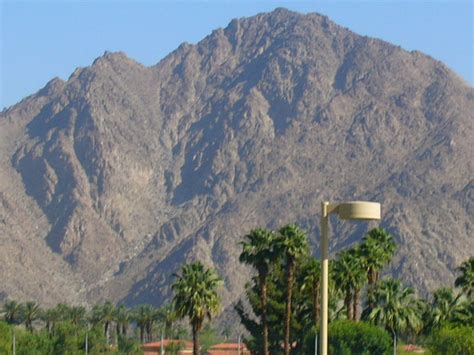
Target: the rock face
(111, 180)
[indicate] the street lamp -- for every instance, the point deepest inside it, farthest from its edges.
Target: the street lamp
(354, 210)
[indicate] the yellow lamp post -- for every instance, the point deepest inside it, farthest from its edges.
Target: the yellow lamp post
(354, 210)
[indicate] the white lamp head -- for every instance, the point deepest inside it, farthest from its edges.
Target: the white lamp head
(359, 210)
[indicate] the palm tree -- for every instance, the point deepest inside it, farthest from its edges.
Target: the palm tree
(50, 317)
(357, 278)
(31, 312)
(377, 250)
(63, 311)
(293, 244)
(446, 307)
(168, 316)
(395, 308)
(349, 277)
(196, 296)
(104, 314)
(12, 312)
(143, 316)
(258, 251)
(122, 318)
(54, 315)
(155, 316)
(466, 279)
(464, 315)
(77, 315)
(310, 285)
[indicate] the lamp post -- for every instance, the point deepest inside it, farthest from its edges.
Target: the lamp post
(162, 349)
(354, 210)
(14, 341)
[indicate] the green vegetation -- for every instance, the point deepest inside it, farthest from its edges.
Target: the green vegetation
(280, 308)
(453, 340)
(209, 337)
(6, 335)
(393, 307)
(348, 337)
(66, 329)
(196, 297)
(466, 278)
(388, 306)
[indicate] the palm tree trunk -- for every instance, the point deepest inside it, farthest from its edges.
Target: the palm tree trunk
(372, 279)
(347, 305)
(106, 332)
(316, 306)
(142, 331)
(355, 305)
(263, 300)
(149, 331)
(195, 341)
(394, 342)
(289, 289)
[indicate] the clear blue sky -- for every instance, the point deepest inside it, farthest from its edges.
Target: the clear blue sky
(40, 40)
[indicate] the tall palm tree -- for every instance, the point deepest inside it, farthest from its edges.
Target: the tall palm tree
(358, 279)
(466, 279)
(108, 313)
(143, 316)
(168, 316)
(377, 250)
(310, 285)
(77, 315)
(155, 316)
(349, 277)
(292, 242)
(104, 314)
(122, 319)
(395, 308)
(50, 317)
(63, 311)
(12, 312)
(54, 315)
(195, 296)
(31, 312)
(258, 251)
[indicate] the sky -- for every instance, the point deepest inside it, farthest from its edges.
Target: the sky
(40, 40)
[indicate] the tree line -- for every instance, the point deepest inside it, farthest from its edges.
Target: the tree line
(280, 308)
(64, 328)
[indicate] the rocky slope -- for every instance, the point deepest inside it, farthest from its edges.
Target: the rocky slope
(111, 180)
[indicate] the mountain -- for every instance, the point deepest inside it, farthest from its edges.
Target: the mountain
(109, 181)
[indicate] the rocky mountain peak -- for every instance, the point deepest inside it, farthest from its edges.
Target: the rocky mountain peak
(123, 172)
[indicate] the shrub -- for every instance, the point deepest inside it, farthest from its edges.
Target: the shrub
(452, 340)
(5, 338)
(129, 346)
(36, 343)
(348, 337)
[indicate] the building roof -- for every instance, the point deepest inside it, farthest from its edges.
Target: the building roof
(228, 349)
(228, 346)
(166, 342)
